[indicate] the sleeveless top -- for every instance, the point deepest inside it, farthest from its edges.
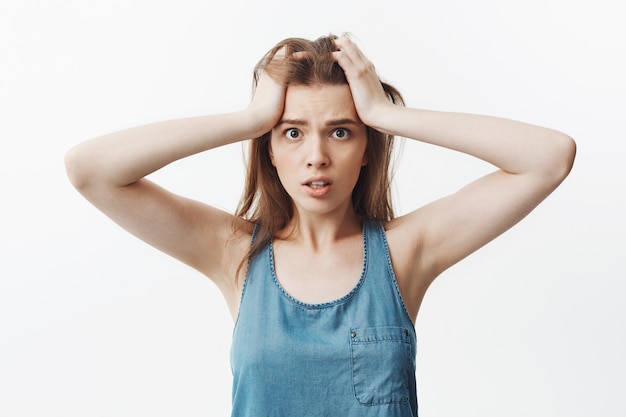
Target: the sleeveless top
(354, 356)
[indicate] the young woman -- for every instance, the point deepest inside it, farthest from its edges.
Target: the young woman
(324, 283)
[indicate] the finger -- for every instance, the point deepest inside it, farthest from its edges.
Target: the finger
(344, 39)
(346, 44)
(349, 53)
(342, 59)
(281, 52)
(274, 65)
(341, 55)
(354, 63)
(300, 55)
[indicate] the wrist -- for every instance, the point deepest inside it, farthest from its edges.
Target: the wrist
(257, 122)
(380, 117)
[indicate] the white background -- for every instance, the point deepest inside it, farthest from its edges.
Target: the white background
(94, 322)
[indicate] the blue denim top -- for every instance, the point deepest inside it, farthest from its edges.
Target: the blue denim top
(354, 356)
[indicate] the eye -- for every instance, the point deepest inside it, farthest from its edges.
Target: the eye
(292, 133)
(341, 133)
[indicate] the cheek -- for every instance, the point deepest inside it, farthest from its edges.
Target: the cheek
(278, 158)
(283, 165)
(355, 164)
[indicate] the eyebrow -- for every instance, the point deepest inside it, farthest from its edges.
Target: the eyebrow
(301, 122)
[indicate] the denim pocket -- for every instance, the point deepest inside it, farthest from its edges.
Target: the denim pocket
(381, 362)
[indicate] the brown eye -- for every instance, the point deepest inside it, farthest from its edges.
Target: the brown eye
(292, 133)
(341, 133)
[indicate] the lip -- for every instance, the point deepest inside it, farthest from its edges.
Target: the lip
(318, 191)
(318, 179)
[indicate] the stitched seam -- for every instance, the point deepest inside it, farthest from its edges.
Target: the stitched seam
(393, 277)
(342, 300)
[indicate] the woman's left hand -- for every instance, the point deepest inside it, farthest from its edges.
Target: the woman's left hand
(367, 91)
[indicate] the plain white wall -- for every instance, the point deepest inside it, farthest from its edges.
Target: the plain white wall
(94, 322)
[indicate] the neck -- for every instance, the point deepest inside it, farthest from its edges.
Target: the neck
(317, 231)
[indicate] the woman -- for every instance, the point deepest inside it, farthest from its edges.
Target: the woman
(323, 281)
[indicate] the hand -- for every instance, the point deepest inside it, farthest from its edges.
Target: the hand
(367, 91)
(268, 101)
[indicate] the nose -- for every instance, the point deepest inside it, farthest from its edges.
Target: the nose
(317, 155)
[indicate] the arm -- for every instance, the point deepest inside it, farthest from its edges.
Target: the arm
(109, 171)
(531, 160)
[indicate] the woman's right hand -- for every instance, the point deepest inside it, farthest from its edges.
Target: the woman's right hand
(268, 101)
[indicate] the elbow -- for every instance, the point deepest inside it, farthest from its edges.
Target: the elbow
(561, 157)
(76, 168)
(567, 154)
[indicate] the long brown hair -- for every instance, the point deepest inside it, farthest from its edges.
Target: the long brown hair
(265, 202)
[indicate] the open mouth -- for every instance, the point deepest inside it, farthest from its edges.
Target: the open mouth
(317, 184)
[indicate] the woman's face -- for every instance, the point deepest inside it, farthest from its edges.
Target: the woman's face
(318, 147)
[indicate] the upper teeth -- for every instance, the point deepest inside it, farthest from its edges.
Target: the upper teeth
(317, 183)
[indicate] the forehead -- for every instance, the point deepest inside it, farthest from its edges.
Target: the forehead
(319, 102)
